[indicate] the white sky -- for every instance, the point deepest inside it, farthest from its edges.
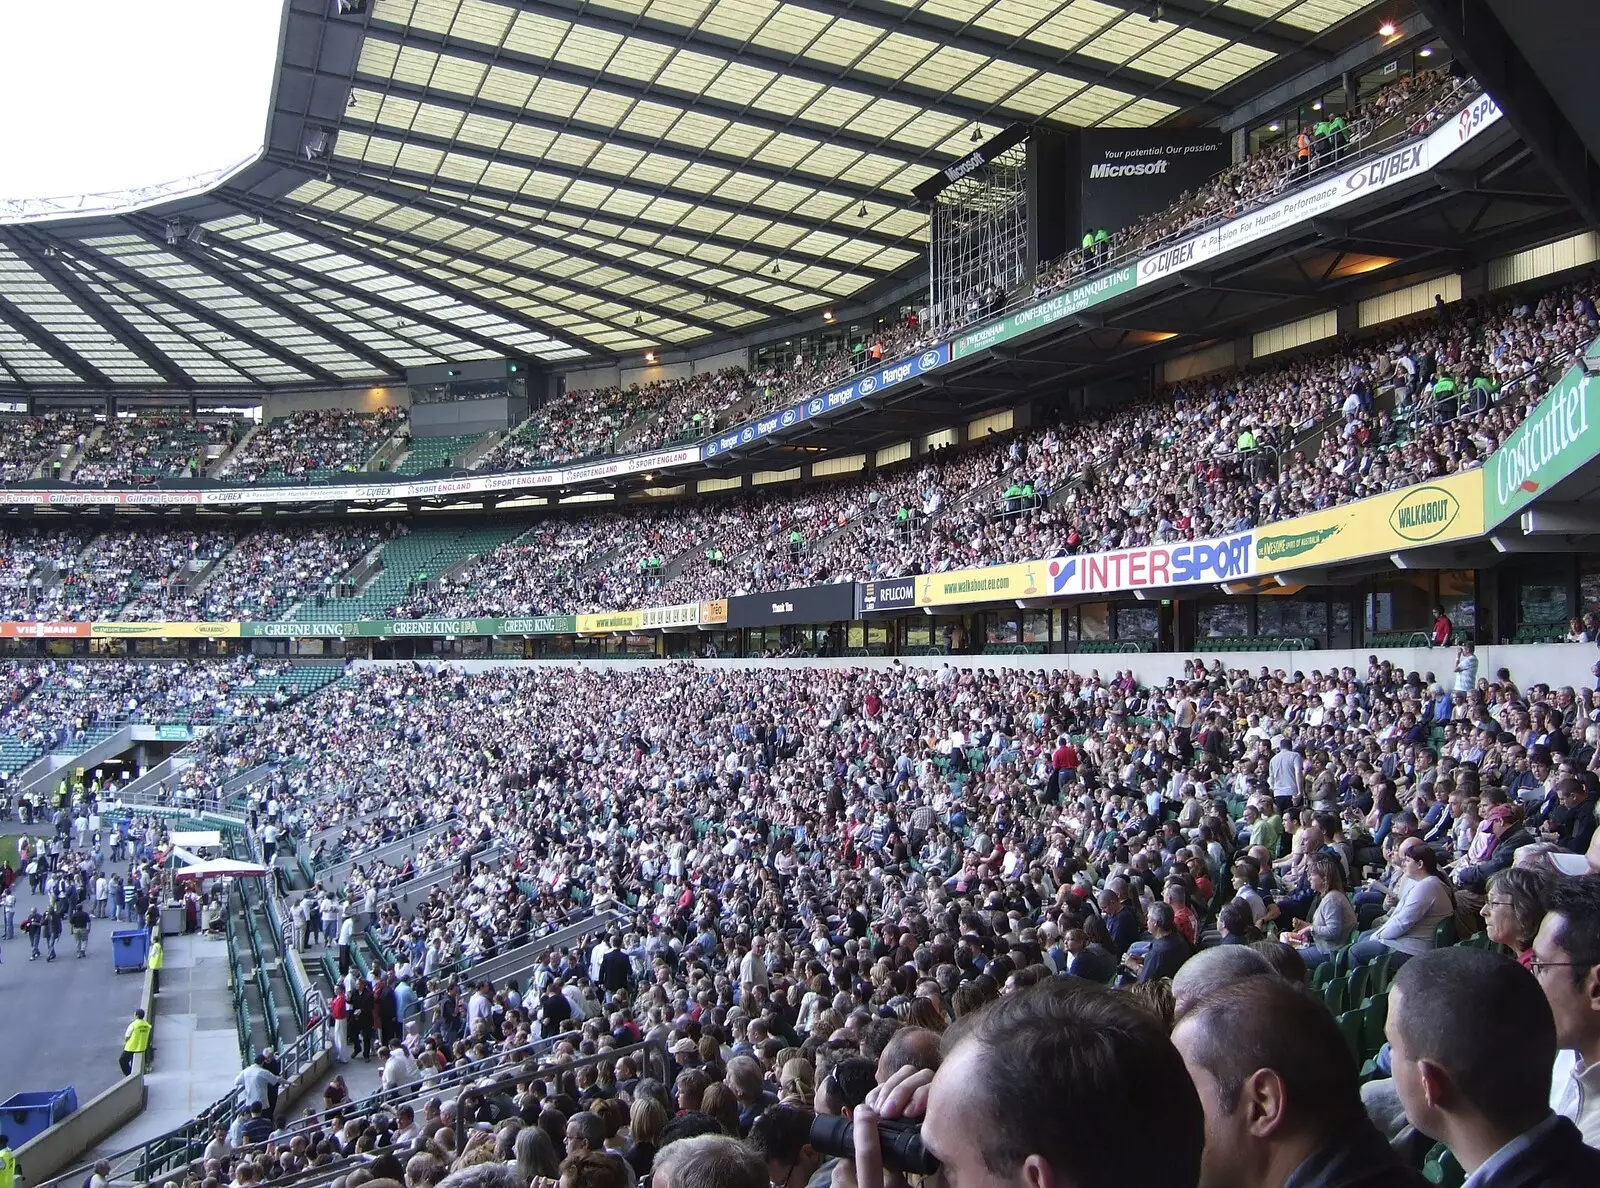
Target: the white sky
(110, 94)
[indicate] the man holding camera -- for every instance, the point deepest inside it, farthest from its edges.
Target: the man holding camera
(1052, 1087)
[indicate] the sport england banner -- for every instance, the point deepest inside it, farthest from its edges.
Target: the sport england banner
(1450, 508)
(1126, 174)
(824, 403)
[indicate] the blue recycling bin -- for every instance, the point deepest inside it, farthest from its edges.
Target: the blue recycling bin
(129, 948)
(24, 1116)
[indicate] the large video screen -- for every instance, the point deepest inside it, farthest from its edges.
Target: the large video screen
(112, 105)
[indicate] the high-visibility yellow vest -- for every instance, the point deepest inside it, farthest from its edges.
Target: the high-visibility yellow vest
(138, 1036)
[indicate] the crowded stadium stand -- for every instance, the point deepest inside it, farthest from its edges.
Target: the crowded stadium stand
(600, 595)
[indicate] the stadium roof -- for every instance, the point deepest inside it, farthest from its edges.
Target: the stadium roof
(466, 179)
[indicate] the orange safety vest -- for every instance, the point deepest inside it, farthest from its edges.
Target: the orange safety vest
(1303, 145)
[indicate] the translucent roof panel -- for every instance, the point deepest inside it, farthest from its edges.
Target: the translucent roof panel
(463, 180)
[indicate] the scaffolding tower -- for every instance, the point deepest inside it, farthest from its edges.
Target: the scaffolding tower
(978, 239)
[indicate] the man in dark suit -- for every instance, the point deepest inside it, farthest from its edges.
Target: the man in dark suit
(1094, 963)
(1473, 1043)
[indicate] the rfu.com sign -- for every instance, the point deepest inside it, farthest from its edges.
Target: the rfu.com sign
(1200, 562)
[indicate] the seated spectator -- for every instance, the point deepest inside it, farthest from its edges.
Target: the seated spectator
(1473, 1042)
(1281, 1092)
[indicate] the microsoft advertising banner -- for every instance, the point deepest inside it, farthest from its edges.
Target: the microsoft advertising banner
(1126, 174)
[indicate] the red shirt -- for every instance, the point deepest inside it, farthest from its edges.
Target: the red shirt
(1441, 631)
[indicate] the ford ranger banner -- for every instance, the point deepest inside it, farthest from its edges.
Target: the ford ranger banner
(823, 403)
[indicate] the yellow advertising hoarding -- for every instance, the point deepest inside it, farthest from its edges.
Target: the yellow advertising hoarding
(164, 630)
(684, 615)
(715, 611)
(1450, 508)
(992, 584)
(610, 621)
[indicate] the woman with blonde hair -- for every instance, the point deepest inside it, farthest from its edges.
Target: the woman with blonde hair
(646, 1121)
(797, 1085)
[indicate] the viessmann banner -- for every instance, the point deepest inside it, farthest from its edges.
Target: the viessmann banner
(823, 403)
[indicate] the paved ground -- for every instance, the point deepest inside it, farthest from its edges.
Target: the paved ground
(63, 1020)
(197, 1045)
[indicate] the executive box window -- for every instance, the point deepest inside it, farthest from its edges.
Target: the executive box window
(1458, 594)
(1002, 630)
(1543, 602)
(1036, 627)
(1403, 603)
(1292, 617)
(1222, 620)
(1094, 622)
(1138, 621)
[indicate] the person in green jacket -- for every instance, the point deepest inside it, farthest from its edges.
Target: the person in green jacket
(1102, 245)
(8, 1163)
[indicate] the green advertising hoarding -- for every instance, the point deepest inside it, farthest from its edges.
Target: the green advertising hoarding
(1559, 436)
(392, 628)
(1063, 305)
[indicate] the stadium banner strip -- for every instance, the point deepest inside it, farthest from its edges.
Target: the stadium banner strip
(713, 612)
(1403, 163)
(1063, 305)
(1447, 509)
(1560, 435)
(44, 630)
(164, 630)
(834, 603)
(393, 628)
(824, 403)
(1154, 567)
(610, 621)
(684, 615)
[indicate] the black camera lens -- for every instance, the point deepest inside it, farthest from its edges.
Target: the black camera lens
(901, 1141)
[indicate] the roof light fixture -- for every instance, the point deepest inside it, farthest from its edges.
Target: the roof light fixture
(649, 357)
(862, 213)
(776, 271)
(1157, 11)
(350, 102)
(1387, 29)
(827, 315)
(1425, 52)
(977, 134)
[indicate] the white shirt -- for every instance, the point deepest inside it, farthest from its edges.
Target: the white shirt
(477, 1009)
(400, 1069)
(1575, 1094)
(347, 930)
(253, 1081)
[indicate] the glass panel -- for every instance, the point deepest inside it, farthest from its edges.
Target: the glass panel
(1342, 634)
(1458, 596)
(1543, 602)
(1219, 620)
(1094, 621)
(1036, 627)
(1001, 631)
(1138, 620)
